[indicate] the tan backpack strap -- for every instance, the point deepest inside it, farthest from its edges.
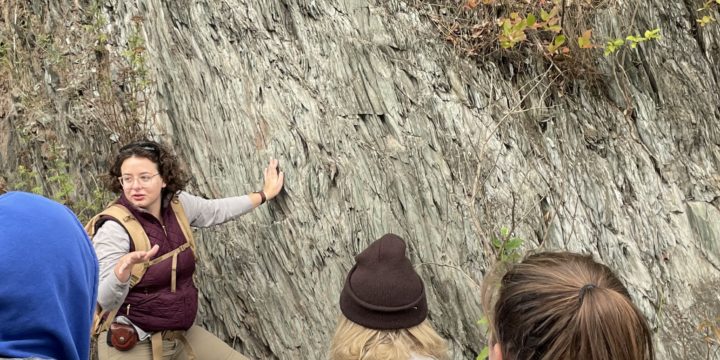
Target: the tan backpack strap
(177, 250)
(134, 229)
(173, 254)
(137, 234)
(173, 276)
(184, 223)
(140, 240)
(97, 318)
(156, 342)
(99, 325)
(91, 227)
(110, 318)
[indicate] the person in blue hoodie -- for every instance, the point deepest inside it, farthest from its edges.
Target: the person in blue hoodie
(49, 280)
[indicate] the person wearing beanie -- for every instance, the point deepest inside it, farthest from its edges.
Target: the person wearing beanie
(384, 309)
(49, 280)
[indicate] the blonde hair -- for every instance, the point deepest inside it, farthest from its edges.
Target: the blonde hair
(356, 342)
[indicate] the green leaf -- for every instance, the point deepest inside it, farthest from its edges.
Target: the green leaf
(519, 27)
(484, 354)
(584, 40)
(530, 21)
(556, 43)
(554, 12)
(544, 15)
(506, 26)
(613, 46)
(496, 243)
(652, 34)
(704, 20)
(513, 244)
(483, 321)
(554, 28)
(504, 232)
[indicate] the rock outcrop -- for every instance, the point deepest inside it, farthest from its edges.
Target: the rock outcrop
(380, 126)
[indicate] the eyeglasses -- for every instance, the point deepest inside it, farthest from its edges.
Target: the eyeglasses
(144, 180)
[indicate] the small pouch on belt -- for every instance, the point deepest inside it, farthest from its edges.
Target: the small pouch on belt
(122, 337)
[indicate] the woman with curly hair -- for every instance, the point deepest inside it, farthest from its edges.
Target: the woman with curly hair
(384, 309)
(562, 306)
(155, 315)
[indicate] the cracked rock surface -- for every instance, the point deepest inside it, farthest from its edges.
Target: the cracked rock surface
(380, 126)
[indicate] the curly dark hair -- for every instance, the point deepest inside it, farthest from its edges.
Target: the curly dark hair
(168, 165)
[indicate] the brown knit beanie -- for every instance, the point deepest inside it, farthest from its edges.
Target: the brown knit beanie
(383, 291)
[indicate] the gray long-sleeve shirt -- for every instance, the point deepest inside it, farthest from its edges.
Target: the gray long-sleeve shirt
(112, 242)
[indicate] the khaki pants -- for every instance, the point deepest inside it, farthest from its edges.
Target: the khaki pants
(204, 345)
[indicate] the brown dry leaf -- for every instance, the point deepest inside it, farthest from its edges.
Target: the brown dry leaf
(471, 4)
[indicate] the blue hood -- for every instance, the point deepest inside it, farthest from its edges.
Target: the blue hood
(49, 280)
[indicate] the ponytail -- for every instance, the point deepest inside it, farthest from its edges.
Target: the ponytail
(610, 326)
(565, 306)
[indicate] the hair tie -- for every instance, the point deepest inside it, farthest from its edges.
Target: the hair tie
(584, 289)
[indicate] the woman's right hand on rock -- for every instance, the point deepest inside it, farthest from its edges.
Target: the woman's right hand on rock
(273, 180)
(124, 267)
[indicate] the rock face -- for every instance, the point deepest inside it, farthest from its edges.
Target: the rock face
(380, 126)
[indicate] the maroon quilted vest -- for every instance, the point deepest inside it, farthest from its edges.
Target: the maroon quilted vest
(150, 304)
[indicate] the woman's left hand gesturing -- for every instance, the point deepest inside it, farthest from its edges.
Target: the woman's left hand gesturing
(273, 180)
